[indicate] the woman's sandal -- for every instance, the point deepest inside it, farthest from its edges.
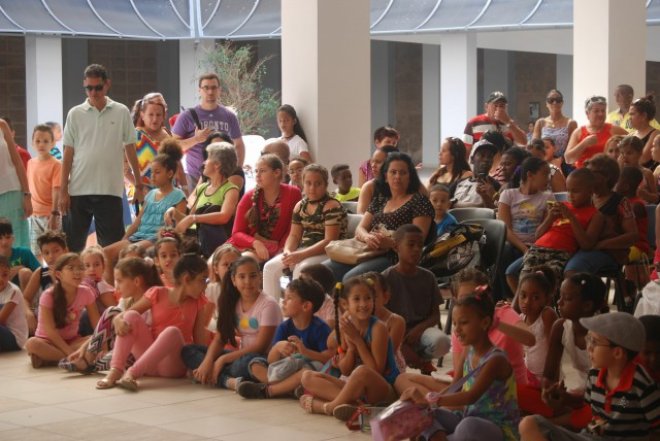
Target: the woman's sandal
(307, 403)
(344, 412)
(127, 382)
(109, 382)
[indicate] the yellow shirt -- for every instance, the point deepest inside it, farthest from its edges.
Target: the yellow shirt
(352, 195)
(617, 119)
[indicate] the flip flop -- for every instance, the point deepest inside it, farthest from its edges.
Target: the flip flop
(107, 382)
(307, 402)
(344, 412)
(129, 383)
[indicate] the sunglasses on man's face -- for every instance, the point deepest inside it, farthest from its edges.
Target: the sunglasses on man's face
(98, 88)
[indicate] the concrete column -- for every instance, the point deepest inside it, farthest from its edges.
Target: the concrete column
(608, 49)
(458, 87)
(191, 53)
(565, 81)
(383, 99)
(43, 82)
(496, 75)
(430, 104)
(167, 59)
(326, 59)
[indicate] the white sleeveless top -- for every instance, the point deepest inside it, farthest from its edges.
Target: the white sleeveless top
(9, 181)
(575, 363)
(535, 355)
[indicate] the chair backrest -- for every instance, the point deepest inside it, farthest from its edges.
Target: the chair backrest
(469, 213)
(350, 206)
(353, 222)
(650, 234)
(492, 246)
(561, 196)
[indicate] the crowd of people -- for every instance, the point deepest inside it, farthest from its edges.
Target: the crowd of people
(193, 286)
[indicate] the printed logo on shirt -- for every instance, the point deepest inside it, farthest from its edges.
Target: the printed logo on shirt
(248, 323)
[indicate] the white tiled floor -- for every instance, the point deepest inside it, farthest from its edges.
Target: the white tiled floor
(50, 404)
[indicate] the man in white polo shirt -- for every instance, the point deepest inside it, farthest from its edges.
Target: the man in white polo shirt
(97, 134)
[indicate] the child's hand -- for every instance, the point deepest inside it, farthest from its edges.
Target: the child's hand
(13, 271)
(285, 348)
(202, 373)
(297, 344)
(414, 395)
(555, 395)
(31, 321)
(218, 366)
(348, 329)
(121, 326)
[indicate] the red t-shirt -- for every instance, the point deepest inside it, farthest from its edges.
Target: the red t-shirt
(164, 313)
(560, 235)
(602, 137)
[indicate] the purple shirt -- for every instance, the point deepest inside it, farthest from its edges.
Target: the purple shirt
(219, 119)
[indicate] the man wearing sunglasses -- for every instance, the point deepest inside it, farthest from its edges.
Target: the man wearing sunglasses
(97, 135)
(495, 118)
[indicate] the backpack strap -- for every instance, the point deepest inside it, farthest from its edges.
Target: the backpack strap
(195, 117)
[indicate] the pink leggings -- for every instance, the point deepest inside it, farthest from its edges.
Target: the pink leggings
(158, 358)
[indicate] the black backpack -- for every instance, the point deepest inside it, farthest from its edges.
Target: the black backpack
(454, 250)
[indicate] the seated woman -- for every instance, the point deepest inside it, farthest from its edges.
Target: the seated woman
(453, 163)
(263, 216)
(317, 219)
(213, 202)
(163, 198)
(368, 190)
(399, 203)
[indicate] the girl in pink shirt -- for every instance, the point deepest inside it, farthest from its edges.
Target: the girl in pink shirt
(244, 311)
(178, 317)
(60, 310)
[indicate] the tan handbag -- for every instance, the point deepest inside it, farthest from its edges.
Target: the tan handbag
(352, 251)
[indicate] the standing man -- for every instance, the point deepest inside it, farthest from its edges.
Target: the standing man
(623, 95)
(495, 118)
(195, 124)
(97, 134)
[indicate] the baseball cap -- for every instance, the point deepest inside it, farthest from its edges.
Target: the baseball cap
(483, 144)
(620, 328)
(496, 96)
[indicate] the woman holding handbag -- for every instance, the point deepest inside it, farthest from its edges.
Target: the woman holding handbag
(263, 217)
(214, 201)
(398, 203)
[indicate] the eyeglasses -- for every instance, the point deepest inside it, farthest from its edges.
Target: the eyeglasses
(554, 100)
(209, 88)
(595, 100)
(98, 88)
(74, 268)
(592, 343)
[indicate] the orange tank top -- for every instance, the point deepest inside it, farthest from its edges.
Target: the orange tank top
(602, 136)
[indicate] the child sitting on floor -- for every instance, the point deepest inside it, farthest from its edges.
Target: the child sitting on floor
(300, 343)
(415, 297)
(343, 179)
(60, 311)
(364, 355)
(487, 396)
(13, 325)
(95, 266)
(52, 245)
(244, 311)
(221, 260)
(624, 399)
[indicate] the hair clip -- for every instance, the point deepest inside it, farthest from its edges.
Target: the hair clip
(167, 233)
(339, 286)
(583, 282)
(539, 272)
(480, 289)
(369, 281)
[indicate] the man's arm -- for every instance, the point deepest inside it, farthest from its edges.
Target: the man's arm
(240, 150)
(67, 161)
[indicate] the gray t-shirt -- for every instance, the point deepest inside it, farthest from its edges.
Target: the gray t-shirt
(527, 212)
(412, 297)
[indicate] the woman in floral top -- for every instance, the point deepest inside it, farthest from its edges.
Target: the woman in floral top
(317, 219)
(398, 203)
(263, 216)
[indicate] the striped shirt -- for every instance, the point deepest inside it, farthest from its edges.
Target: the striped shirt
(480, 124)
(632, 409)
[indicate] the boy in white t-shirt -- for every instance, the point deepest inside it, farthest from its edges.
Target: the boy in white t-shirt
(13, 324)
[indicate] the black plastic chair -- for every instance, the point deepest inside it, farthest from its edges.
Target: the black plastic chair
(490, 253)
(469, 213)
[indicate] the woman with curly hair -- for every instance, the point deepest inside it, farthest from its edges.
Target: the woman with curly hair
(263, 216)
